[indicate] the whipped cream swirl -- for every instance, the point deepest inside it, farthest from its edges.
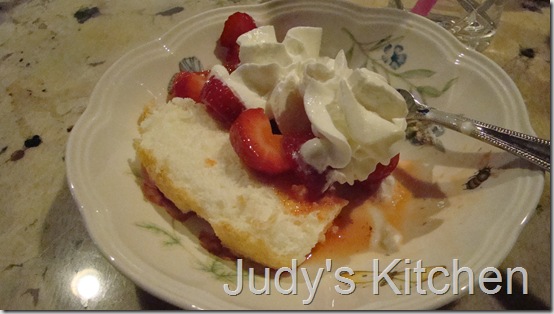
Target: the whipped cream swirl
(356, 116)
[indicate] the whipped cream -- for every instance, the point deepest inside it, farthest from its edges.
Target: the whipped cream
(356, 116)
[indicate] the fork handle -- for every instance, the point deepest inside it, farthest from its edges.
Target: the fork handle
(534, 149)
(531, 148)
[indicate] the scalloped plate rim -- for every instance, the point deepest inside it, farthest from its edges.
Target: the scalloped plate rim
(94, 111)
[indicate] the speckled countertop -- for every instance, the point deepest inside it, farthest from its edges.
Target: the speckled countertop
(51, 55)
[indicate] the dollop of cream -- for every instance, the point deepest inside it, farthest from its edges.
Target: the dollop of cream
(356, 116)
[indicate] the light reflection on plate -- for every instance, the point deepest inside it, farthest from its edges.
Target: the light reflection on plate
(476, 227)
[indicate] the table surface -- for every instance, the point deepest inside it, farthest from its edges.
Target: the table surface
(51, 59)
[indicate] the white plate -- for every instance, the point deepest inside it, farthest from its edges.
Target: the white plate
(476, 226)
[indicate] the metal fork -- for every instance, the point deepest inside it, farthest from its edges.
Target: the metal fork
(531, 148)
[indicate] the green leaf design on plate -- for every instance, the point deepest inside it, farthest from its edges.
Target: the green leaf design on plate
(170, 238)
(434, 92)
(213, 265)
(419, 73)
(219, 270)
(409, 77)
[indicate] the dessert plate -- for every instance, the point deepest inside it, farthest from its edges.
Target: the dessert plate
(457, 219)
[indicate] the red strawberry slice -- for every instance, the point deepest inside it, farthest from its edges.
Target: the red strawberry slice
(362, 190)
(220, 101)
(313, 180)
(236, 24)
(256, 145)
(232, 59)
(383, 171)
(187, 85)
(292, 143)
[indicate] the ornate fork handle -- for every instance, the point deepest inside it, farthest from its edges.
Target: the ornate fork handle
(531, 148)
(534, 149)
(528, 147)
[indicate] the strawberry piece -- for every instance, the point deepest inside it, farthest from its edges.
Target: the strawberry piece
(220, 101)
(361, 190)
(256, 145)
(187, 85)
(236, 24)
(383, 171)
(232, 59)
(313, 180)
(292, 143)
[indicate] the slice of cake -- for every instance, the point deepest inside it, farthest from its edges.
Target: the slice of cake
(189, 157)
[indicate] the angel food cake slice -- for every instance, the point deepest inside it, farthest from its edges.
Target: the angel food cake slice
(190, 158)
(257, 146)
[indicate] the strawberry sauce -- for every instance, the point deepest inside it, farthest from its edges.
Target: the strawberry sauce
(155, 196)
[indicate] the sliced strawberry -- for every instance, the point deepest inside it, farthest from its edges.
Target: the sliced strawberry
(359, 192)
(292, 143)
(236, 24)
(256, 145)
(187, 85)
(383, 171)
(313, 180)
(232, 59)
(220, 101)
